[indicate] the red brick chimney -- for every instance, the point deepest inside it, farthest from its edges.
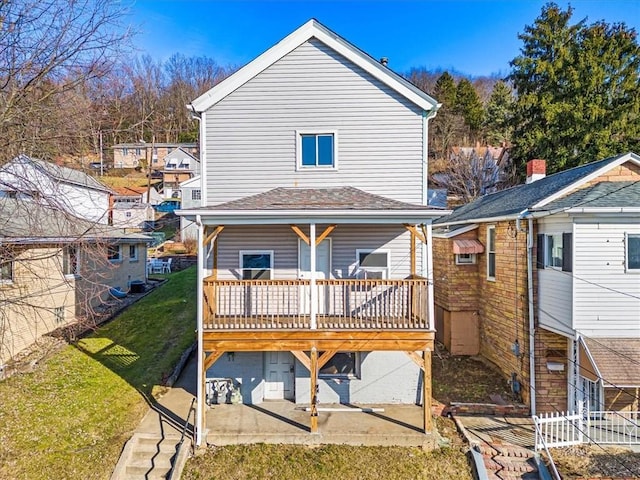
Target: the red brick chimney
(536, 169)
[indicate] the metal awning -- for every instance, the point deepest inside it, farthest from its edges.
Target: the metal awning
(467, 246)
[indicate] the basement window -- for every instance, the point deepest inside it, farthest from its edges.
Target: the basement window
(465, 259)
(342, 364)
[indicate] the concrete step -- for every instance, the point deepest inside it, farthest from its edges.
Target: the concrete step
(144, 460)
(135, 471)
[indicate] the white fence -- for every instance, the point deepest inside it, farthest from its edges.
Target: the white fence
(602, 427)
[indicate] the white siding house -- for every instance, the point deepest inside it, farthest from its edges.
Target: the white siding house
(58, 187)
(191, 195)
(313, 222)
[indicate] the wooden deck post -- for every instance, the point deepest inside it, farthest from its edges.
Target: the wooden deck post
(412, 253)
(313, 372)
(426, 391)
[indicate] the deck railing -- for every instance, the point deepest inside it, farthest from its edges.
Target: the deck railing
(341, 304)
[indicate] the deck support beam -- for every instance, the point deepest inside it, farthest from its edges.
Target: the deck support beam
(314, 390)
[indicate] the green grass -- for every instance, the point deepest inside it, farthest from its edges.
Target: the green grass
(71, 417)
(343, 462)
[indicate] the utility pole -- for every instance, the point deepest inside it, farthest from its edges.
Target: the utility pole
(149, 162)
(101, 159)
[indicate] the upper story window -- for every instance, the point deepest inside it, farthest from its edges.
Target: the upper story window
(70, 261)
(196, 194)
(491, 252)
(6, 269)
(125, 151)
(133, 253)
(256, 264)
(633, 252)
(317, 149)
(373, 263)
(138, 151)
(555, 251)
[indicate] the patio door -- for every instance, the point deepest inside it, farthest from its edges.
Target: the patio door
(323, 270)
(279, 376)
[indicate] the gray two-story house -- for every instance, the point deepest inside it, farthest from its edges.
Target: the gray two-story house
(314, 230)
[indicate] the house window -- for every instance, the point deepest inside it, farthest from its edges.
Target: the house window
(6, 269)
(133, 253)
(633, 251)
(70, 262)
(125, 152)
(555, 251)
(58, 315)
(127, 214)
(113, 253)
(343, 364)
(196, 194)
(256, 264)
(317, 150)
(491, 253)
(465, 258)
(10, 194)
(373, 263)
(138, 152)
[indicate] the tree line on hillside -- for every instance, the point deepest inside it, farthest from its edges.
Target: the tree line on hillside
(68, 78)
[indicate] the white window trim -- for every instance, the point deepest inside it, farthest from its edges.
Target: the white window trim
(315, 168)
(471, 261)
(626, 253)
(489, 252)
(256, 252)
(75, 274)
(547, 256)
(119, 258)
(357, 368)
(136, 257)
(386, 271)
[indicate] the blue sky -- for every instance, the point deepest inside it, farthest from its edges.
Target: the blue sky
(471, 37)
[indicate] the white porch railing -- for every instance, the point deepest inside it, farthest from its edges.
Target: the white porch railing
(603, 427)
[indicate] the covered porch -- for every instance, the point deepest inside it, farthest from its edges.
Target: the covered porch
(315, 316)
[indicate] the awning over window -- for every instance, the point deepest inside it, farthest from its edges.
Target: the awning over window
(617, 360)
(467, 246)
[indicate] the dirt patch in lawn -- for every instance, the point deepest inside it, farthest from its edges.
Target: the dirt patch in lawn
(466, 379)
(592, 461)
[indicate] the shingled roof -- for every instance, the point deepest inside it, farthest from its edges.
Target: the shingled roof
(617, 359)
(601, 195)
(521, 197)
(340, 198)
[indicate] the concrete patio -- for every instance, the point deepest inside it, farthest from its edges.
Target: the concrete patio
(287, 422)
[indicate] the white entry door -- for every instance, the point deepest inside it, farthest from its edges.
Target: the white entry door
(323, 270)
(279, 376)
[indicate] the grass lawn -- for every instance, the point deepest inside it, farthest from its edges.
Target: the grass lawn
(71, 416)
(343, 462)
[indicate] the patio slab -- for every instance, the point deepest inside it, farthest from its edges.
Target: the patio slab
(283, 422)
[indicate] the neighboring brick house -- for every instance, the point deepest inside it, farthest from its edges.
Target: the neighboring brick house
(137, 154)
(56, 268)
(543, 280)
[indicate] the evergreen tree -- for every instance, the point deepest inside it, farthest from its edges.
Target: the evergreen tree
(497, 123)
(578, 91)
(469, 107)
(448, 124)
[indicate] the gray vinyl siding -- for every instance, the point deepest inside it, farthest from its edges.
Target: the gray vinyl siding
(607, 299)
(250, 135)
(554, 285)
(284, 243)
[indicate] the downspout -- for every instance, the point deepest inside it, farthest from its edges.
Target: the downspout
(200, 350)
(532, 331)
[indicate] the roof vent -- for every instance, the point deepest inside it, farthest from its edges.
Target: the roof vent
(536, 169)
(384, 61)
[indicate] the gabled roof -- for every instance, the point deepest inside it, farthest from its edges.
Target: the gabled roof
(59, 173)
(339, 205)
(192, 182)
(181, 150)
(314, 29)
(511, 202)
(156, 144)
(24, 221)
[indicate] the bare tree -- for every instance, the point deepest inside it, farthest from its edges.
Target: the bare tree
(48, 50)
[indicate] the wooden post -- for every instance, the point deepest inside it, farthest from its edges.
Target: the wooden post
(412, 253)
(426, 391)
(313, 372)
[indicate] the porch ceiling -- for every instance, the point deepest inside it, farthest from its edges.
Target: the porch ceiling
(314, 205)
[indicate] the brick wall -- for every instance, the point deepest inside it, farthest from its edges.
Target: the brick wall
(503, 307)
(551, 387)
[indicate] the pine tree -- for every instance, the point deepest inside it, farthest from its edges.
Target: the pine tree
(448, 124)
(578, 91)
(497, 123)
(469, 106)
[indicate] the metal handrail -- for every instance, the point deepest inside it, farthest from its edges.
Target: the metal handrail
(181, 442)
